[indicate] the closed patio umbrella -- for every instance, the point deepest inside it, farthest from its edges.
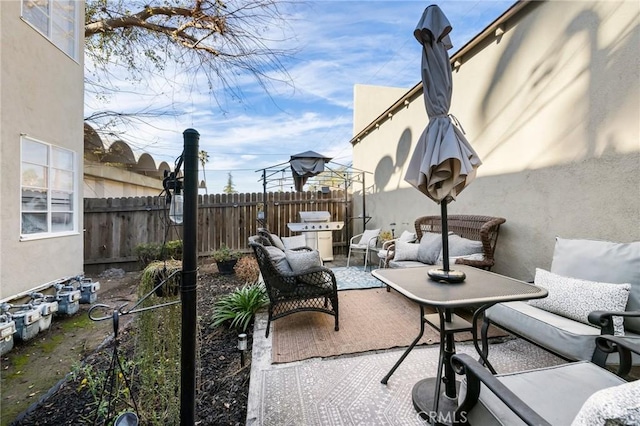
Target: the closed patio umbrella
(443, 162)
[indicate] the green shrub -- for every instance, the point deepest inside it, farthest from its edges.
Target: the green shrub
(149, 252)
(157, 350)
(240, 306)
(224, 253)
(173, 250)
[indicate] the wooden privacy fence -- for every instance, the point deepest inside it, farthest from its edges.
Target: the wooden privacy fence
(113, 227)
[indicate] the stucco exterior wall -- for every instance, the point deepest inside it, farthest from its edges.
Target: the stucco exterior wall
(105, 181)
(371, 98)
(41, 95)
(552, 109)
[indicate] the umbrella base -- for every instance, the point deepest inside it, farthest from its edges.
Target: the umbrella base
(441, 275)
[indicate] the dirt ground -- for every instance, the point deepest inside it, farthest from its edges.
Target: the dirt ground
(32, 369)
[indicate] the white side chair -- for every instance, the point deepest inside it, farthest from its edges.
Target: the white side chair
(366, 243)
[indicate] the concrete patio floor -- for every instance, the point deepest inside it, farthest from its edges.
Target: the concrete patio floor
(346, 390)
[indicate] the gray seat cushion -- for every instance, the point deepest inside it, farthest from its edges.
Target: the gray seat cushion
(556, 393)
(566, 337)
(405, 264)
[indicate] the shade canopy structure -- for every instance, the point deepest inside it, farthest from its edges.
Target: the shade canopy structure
(443, 162)
(306, 166)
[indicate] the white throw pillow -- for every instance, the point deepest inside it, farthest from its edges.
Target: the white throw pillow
(294, 242)
(302, 261)
(406, 251)
(407, 236)
(617, 405)
(430, 246)
(575, 299)
(602, 261)
(367, 236)
(279, 259)
(277, 242)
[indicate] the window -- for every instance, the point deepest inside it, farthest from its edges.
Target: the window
(55, 19)
(47, 189)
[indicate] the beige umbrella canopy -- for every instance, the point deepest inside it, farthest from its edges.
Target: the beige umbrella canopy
(443, 162)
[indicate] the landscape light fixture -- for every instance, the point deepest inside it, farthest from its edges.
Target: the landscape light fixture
(242, 346)
(173, 187)
(176, 207)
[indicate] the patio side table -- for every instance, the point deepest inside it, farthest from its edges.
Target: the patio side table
(481, 289)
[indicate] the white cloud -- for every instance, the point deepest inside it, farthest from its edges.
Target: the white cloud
(339, 43)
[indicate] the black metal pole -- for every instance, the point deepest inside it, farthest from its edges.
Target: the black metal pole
(264, 199)
(189, 280)
(445, 235)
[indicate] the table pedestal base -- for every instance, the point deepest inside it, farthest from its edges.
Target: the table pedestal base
(423, 394)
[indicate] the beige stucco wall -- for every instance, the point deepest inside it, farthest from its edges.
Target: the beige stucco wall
(105, 181)
(552, 107)
(370, 110)
(41, 95)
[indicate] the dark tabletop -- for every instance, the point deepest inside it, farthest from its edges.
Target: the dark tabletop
(479, 287)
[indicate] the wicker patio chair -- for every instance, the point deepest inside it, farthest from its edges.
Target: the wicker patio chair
(312, 290)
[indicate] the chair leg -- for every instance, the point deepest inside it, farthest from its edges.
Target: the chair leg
(484, 332)
(266, 335)
(334, 302)
(366, 257)
(348, 257)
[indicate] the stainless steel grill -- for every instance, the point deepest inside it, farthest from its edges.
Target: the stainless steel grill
(317, 229)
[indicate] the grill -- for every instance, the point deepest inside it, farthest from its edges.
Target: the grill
(317, 229)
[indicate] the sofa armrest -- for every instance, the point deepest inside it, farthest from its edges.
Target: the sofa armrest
(476, 375)
(604, 320)
(482, 264)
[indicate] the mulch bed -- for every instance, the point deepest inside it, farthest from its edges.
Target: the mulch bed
(223, 385)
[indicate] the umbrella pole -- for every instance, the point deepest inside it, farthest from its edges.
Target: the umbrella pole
(445, 275)
(445, 235)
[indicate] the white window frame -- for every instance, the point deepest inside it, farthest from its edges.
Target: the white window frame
(48, 7)
(48, 187)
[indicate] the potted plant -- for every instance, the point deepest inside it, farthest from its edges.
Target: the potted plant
(386, 236)
(226, 259)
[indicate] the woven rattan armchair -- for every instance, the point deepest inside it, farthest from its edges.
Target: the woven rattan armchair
(479, 228)
(312, 290)
(264, 232)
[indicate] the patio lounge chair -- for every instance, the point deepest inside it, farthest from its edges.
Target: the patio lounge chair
(290, 290)
(366, 242)
(576, 393)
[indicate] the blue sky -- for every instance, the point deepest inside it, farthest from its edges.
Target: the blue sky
(339, 44)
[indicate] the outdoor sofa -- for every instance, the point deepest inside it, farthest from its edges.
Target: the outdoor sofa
(472, 241)
(594, 289)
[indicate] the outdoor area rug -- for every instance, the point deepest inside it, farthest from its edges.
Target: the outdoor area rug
(372, 319)
(347, 390)
(355, 277)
